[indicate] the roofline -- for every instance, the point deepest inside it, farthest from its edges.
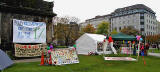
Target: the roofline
(26, 11)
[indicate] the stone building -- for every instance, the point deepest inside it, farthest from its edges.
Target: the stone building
(138, 16)
(10, 11)
(97, 20)
(158, 27)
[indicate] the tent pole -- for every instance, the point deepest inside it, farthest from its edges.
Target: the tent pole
(103, 48)
(130, 48)
(138, 50)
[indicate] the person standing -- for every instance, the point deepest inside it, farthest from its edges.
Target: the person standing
(142, 49)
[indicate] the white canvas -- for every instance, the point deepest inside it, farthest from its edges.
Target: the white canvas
(29, 32)
(88, 43)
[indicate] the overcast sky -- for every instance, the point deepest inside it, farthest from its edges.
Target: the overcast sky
(86, 9)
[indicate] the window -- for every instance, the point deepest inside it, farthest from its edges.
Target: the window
(153, 28)
(141, 17)
(142, 23)
(115, 28)
(141, 14)
(119, 28)
(142, 29)
(142, 26)
(141, 20)
(123, 22)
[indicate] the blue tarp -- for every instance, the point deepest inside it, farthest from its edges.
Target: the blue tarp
(5, 61)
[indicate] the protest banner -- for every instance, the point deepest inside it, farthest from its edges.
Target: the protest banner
(126, 50)
(29, 32)
(29, 50)
(64, 56)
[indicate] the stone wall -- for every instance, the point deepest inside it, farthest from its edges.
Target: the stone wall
(7, 28)
(0, 29)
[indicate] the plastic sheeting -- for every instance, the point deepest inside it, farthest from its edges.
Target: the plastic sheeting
(5, 61)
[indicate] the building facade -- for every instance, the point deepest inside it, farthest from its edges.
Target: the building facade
(9, 11)
(97, 20)
(138, 16)
(158, 27)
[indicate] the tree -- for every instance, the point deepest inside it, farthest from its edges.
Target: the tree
(114, 32)
(88, 29)
(103, 28)
(66, 29)
(130, 31)
(153, 38)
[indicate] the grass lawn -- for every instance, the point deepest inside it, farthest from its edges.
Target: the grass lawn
(92, 64)
(154, 50)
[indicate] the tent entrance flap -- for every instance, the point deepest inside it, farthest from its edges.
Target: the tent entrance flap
(99, 46)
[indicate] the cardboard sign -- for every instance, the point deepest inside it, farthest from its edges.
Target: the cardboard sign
(29, 50)
(64, 56)
(29, 32)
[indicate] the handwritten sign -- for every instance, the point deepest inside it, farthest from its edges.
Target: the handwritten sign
(64, 56)
(29, 50)
(126, 50)
(29, 32)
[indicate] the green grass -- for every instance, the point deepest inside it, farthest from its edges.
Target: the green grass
(92, 64)
(154, 50)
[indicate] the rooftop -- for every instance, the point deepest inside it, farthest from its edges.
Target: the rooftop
(137, 6)
(96, 37)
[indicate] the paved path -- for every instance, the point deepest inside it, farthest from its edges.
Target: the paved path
(154, 54)
(27, 60)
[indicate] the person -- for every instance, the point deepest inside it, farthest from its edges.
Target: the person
(134, 49)
(157, 46)
(142, 49)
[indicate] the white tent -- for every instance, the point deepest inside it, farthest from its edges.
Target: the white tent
(90, 43)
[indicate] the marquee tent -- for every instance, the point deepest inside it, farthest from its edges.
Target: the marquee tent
(122, 36)
(90, 43)
(5, 61)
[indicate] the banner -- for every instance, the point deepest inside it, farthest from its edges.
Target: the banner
(126, 50)
(120, 58)
(29, 50)
(64, 56)
(29, 32)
